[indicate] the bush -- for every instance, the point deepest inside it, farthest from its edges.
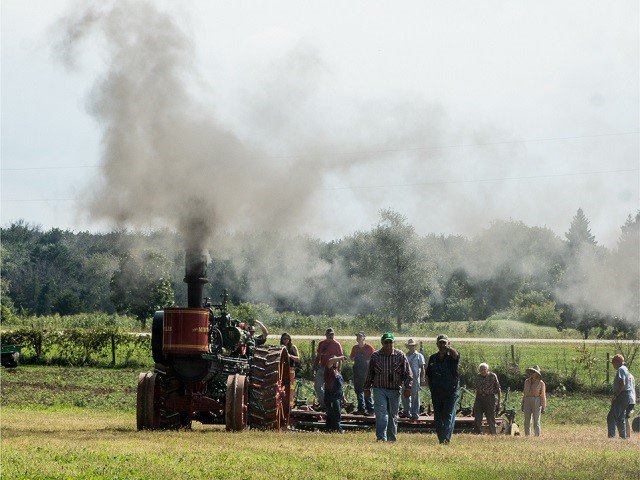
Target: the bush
(534, 307)
(80, 346)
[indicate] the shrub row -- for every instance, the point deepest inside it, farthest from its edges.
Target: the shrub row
(97, 346)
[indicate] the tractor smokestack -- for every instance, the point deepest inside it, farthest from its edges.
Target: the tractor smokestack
(195, 276)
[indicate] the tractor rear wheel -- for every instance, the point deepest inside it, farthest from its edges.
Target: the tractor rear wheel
(236, 402)
(270, 389)
(153, 389)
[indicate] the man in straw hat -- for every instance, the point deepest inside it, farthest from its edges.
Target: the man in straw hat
(622, 386)
(411, 405)
(534, 400)
(389, 372)
(444, 382)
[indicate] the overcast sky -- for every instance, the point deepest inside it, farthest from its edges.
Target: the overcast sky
(516, 110)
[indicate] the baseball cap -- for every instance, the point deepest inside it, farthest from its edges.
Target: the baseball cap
(387, 336)
(328, 331)
(441, 337)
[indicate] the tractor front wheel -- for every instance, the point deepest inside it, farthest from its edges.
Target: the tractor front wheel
(153, 389)
(236, 402)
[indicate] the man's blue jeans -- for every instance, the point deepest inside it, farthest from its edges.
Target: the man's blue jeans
(411, 405)
(364, 404)
(444, 413)
(385, 405)
(333, 402)
(617, 415)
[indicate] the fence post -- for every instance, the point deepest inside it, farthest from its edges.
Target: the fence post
(313, 352)
(113, 350)
(421, 349)
(608, 365)
(513, 355)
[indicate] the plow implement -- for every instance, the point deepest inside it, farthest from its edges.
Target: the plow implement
(305, 417)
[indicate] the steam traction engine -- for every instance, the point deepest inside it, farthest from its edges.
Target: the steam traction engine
(209, 369)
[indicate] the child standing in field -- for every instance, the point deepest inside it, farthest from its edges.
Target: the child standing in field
(534, 400)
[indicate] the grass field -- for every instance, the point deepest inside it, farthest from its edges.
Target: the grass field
(83, 443)
(80, 423)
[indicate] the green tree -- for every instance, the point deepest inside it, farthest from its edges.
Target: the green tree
(399, 278)
(7, 310)
(141, 285)
(579, 232)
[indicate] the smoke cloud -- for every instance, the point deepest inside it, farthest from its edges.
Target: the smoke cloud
(168, 161)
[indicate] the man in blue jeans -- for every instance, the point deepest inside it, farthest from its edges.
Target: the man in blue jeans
(622, 385)
(333, 393)
(389, 372)
(444, 382)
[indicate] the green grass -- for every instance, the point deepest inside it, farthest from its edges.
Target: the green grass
(81, 443)
(59, 423)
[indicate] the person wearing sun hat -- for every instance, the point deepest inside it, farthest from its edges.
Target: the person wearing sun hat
(389, 372)
(411, 405)
(534, 400)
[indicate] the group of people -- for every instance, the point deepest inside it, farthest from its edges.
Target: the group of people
(386, 378)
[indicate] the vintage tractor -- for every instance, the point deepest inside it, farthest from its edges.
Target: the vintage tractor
(209, 369)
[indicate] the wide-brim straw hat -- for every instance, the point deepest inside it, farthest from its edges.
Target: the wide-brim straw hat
(535, 369)
(411, 343)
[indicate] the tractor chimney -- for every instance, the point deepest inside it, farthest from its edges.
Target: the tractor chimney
(195, 276)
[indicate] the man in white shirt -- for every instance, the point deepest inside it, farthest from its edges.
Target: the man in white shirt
(411, 405)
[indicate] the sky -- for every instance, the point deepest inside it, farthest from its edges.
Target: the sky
(465, 111)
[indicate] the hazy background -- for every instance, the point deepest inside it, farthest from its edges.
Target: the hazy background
(382, 94)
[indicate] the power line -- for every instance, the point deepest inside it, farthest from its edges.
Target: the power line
(372, 152)
(38, 200)
(59, 167)
(399, 185)
(481, 180)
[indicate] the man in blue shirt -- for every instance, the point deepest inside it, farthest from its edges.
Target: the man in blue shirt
(411, 405)
(444, 382)
(621, 398)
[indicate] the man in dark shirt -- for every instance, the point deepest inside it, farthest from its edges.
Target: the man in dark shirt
(389, 371)
(444, 383)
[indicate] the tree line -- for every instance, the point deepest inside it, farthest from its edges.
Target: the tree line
(390, 271)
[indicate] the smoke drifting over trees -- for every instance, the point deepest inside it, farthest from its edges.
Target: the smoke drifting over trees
(169, 161)
(527, 273)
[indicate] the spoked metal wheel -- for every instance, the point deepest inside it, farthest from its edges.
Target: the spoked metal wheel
(270, 389)
(236, 402)
(153, 389)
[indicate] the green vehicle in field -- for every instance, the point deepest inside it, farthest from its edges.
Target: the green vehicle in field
(10, 355)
